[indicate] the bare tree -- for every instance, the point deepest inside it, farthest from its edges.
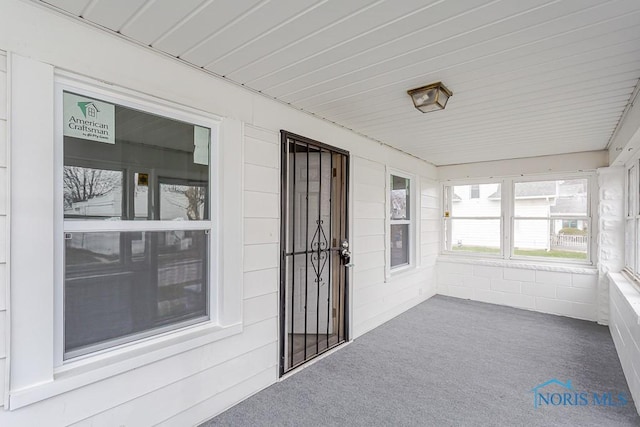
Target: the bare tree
(195, 197)
(82, 184)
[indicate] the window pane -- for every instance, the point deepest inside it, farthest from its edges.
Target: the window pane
(543, 199)
(548, 238)
(183, 202)
(93, 193)
(141, 195)
(400, 200)
(107, 136)
(473, 235)
(399, 244)
(121, 284)
(481, 200)
(629, 243)
(632, 185)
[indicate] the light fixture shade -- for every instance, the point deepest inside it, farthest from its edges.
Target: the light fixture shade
(431, 97)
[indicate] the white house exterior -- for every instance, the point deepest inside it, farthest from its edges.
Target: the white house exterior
(188, 374)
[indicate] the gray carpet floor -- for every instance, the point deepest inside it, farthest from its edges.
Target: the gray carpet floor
(450, 362)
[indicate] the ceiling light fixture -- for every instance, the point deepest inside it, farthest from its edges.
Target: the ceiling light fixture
(431, 97)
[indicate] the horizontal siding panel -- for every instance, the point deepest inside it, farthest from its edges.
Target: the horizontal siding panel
(364, 244)
(3, 95)
(429, 189)
(430, 226)
(260, 308)
(368, 210)
(368, 260)
(369, 227)
(261, 282)
(261, 230)
(261, 205)
(260, 257)
(369, 193)
(85, 402)
(430, 212)
(381, 310)
(430, 202)
(367, 172)
(2, 380)
(385, 291)
(3, 330)
(429, 250)
(3, 143)
(366, 278)
(262, 179)
(3, 286)
(429, 237)
(261, 153)
(3, 191)
(262, 134)
(146, 409)
(3, 238)
(220, 402)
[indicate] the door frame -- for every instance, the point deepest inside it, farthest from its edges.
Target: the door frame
(284, 137)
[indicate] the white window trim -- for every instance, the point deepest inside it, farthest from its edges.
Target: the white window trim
(632, 213)
(508, 218)
(413, 222)
(39, 375)
(149, 106)
(447, 207)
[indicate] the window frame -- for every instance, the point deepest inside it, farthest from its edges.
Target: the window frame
(588, 218)
(447, 203)
(151, 105)
(411, 222)
(632, 214)
(508, 212)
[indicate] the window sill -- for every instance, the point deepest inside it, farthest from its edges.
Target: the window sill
(102, 366)
(627, 290)
(524, 264)
(401, 273)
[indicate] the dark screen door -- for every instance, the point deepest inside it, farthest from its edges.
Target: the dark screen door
(314, 250)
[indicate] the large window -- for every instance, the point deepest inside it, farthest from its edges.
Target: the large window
(400, 221)
(137, 223)
(547, 219)
(551, 219)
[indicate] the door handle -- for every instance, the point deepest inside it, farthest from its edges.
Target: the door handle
(345, 253)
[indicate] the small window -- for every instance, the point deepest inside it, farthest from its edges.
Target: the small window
(137, 222)
(473, 223)
(475, 191)
(400, 214)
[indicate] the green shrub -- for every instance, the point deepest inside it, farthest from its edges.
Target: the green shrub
(572, 231)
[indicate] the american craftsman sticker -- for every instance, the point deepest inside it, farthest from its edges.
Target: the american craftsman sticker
(88, 118)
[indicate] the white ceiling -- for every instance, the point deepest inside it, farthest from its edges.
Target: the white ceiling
(529, 77)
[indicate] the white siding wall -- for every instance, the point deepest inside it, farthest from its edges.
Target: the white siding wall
(194, 385)
(624, 323)
(377, 298)
(3, 222)
(565, 291)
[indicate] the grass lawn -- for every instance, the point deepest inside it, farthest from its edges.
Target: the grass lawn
(524, 252)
